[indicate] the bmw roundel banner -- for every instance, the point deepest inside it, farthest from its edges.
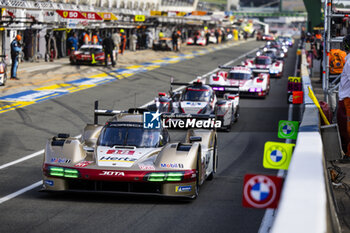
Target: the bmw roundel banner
(277, 155)
(261, 191)
(288, 129)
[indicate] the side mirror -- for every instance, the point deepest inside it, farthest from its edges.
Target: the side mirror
(195, 139)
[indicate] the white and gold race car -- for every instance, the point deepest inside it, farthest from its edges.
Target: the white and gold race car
(132, 153)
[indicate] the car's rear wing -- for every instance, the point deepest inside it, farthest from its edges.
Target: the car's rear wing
(260, 70)
(222, 89)
(103, 112)
(199, 81)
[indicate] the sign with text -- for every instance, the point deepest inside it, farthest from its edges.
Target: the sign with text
(70, 14)
(91, 16)
(294, 84)
(107, 16)
(140, 18)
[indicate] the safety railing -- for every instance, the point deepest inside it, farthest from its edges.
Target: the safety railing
(304, 203)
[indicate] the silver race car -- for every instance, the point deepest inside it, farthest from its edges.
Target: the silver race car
(200, 99)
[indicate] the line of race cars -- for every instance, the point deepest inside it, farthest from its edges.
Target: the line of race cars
(132, 153)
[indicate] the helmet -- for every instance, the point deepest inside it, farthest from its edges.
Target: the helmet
(346, 43)
(19, 37)
(121, 30)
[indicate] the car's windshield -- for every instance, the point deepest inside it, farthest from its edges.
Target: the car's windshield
(239, 76)
(270, 54)
(118, 135)
(196, 95)
(263, 61)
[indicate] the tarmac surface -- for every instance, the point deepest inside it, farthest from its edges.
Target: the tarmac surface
(219, 205)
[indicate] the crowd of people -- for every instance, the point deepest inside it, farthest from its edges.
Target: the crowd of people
(62, 43)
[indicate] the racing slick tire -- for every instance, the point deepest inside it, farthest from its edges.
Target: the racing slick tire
(215, 163)
(268, 89)
(73, 61)
(4, 79)
(236, 114)
(196, 191)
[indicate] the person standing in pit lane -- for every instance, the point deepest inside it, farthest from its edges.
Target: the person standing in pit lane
(116, 40)
(73, 43)
(123, 41)
(15, 50)
(343, 114)
(108, 46)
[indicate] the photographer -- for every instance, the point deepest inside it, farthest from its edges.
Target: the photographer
(15, 50)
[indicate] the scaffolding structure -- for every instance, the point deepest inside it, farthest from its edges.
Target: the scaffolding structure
(329, 42)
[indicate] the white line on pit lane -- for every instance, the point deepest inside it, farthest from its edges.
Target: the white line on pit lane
(30, 187)
(22, 159)
(21, 191)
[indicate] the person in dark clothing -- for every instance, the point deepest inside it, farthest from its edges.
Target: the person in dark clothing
(72, 43)
(217, 36)
(15, 50)
(108, 46)
(174, 38)
(207, 35)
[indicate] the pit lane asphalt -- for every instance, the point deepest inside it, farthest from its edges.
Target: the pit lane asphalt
(218, 207)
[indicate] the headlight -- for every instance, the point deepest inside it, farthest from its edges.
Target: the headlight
(259, 89)
(63, 172)
(164, 176)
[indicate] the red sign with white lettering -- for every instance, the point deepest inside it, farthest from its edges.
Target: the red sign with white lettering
(70, 14)
(91, 16)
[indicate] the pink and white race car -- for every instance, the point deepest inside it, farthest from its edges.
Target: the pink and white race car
(264, 64)
(249, 83)
(196, 40)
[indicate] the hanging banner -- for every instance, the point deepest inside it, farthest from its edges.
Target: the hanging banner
(91, 16)
(199, 13)
(70, 14)
(50, 16)
(107, 16)
(181, 13)
(159, 13)
(36, 15)
(172, 13)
